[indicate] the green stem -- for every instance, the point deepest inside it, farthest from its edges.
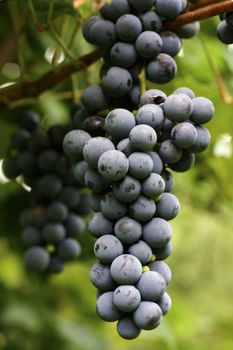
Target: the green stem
(60, 42)
(142, 80)
(32, 10)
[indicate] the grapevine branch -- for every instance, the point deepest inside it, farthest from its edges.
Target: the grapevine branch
(200, 14)
(202, 3)
(29, 89)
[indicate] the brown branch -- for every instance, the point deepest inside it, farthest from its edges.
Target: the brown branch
(28, 89)
(200, 14)
(202, 3)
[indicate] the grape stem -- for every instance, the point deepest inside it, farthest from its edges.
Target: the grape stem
(200, 14)
(30, 89)
(202, 3)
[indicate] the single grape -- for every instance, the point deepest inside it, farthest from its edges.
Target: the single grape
(127, 329)
(69, 249)
(148, 315)
(87, 27)
(157, 162)
(128, 230)
(171, 43)
(94, 125)
(157, 232)
(153, 96)
(185, 163)
(74, 142)
(95, 181)
(115, 9)
(148, 44)
(143, 209)
(127, 190)
(128, 27)
(101, 278)
(107, 248)
(169, 153)
(111, 207)
(140, 165)
(74, 225)
(178, 107)
(79, 171)
(184, 135)
(163, 253)
(126, 269)
(168, 206)
(152, 115)
(164, 303)
(151, 21)
(54, 233)
(123, 54)
(126, 147)
(37, 259)
(113, 165)
(188, 31)
(99, 225)
(117, 82)
(106, 309)
(162, 69)
(153, 186)
(94, 148)
(103, 34)
(93, 99)
(168, 9)
(142, 251)
(203, 110)
(119, 122)
(151, 286)
(143, 137)
(163, 269)
(126, 298)
(202, 141)
(57, 212)
(225, 33)
(185, 91)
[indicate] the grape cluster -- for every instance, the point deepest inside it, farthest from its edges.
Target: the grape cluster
(225, 28)
(133, 203)
(53, 221)
(132, 35)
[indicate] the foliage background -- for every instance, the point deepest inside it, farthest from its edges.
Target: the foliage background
(59, 312)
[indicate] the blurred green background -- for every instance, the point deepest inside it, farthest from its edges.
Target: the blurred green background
(59, 312)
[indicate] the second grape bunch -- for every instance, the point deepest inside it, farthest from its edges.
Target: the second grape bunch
(128, 174)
